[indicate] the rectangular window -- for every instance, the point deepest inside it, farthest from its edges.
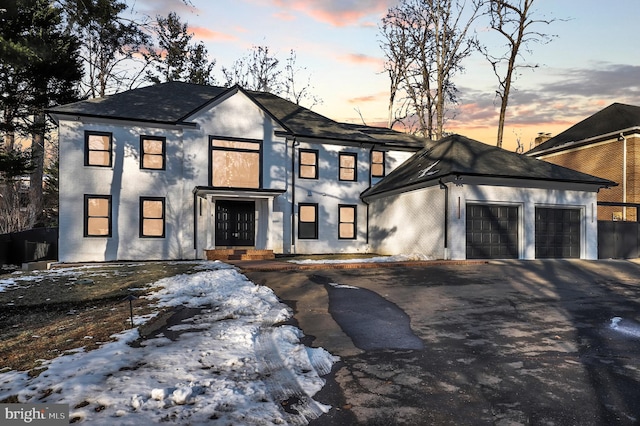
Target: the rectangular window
(152, 217)
(377, 163)
(348, 162)
(346, 222)
(152, 149)
(308, 221)
(97, 215)
(235, 163)
(98, 149)
(308, 164)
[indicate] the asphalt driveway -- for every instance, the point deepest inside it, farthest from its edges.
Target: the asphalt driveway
(501, 343)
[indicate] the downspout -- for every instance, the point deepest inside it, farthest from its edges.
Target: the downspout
(367, 204)
(294, 143)
(195, 221)
(446, 218)
(624, 175)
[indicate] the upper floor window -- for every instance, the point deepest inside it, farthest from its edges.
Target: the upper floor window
(236, 163)
(152, 152)
(152, 217)
(377, 163)
(98, 149)
(97, 215)
(347, 166)
(308, 164)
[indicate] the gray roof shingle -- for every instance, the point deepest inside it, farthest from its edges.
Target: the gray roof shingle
(614, 118)
(174, 102)
(457, 155)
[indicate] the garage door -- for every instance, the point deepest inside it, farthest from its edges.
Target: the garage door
(492, 232)
(557, 233)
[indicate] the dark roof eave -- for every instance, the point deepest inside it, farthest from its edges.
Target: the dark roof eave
(601, 183)
(79, 114)
(201, 188)
(576, 144)
(344, 139)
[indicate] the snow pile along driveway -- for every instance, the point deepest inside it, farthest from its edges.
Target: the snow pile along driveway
(229, 364)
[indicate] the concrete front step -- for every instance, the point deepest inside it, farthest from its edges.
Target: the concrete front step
(239, 254)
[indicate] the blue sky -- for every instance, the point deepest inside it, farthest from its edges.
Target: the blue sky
(593, 62)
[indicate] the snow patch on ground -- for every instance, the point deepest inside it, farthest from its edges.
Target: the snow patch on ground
(627, 327)
(232, 363)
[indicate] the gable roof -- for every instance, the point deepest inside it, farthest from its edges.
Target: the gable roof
(457, 155)
(174, 102)
(616, 118)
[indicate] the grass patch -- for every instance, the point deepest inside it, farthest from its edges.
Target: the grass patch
(48, 313)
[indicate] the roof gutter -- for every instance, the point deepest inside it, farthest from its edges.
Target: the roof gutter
(570, 144)
(76, 117)
(367, 195)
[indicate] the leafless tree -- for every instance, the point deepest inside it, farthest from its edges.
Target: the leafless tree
(396, 43)
(16, 212)
(259, 70)
(294, 90)
(262, 71)
(111, 44)
(425, 43)
(515, 21)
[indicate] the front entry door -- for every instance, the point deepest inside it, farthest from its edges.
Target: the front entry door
(235, 223)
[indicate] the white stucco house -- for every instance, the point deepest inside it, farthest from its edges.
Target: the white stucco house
(168, 171)
(173, 170)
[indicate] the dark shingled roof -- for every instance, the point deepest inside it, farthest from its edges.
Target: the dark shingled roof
(160, 103)
(614, 118)
(174, 102)
(457, 155)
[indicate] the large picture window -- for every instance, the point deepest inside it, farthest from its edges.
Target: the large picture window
(235, 163)
(348, 166)
(97, 215)
(346, 222)
(152, 149)
(98, 149)
(308, 164)
(308, 221)
(377, 163)
(152, 218)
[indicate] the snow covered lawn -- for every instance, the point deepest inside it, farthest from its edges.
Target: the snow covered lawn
(233, 362)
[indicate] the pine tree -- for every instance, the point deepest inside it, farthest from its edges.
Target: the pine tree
(41, 65)
(176, 58)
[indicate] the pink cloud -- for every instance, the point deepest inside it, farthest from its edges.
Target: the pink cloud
(362, 99)
(203, 33)
(339, 13)
(360, 59)
(368, 98)
(284, 16)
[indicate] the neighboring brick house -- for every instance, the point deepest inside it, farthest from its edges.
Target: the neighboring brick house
(606, 144)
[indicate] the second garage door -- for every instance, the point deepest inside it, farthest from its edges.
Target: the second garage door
(557, 233)
(492, 232)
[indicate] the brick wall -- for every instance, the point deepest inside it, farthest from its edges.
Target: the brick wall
(605, 160)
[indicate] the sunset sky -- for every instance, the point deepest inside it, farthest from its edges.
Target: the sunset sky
(594, 60)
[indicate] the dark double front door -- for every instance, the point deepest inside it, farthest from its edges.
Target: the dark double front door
(235, 223)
